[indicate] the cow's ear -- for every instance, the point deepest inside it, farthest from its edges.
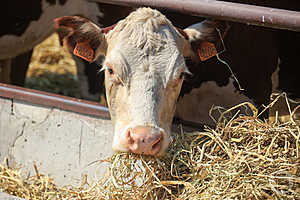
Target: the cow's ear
(84, 38)
(200, 40)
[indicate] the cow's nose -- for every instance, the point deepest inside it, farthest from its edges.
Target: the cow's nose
(144, 140)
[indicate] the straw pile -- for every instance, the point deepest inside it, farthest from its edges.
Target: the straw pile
(52, 69)
(242, 158)
(50, 56)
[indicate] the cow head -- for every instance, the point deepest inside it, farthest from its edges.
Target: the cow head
(144, 69)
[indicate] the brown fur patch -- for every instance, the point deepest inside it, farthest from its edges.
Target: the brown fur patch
(82, 36)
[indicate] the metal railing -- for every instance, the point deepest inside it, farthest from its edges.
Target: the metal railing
(53, 100)
(236, 12)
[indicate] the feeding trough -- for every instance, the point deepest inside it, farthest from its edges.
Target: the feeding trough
(60, 141)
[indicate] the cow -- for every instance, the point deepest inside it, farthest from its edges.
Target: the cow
(27, 23)
(145, 67)
(144, 70)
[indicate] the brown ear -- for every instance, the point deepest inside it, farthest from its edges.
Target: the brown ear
(84, 38)
(205, 39)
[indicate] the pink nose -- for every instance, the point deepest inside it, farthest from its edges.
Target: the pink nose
(144, 140)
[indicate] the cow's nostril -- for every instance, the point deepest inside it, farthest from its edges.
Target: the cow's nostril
(130, 140)
(156, 145)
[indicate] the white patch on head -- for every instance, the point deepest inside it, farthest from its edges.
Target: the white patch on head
(196, 105)
(176, 63)
(145, 29)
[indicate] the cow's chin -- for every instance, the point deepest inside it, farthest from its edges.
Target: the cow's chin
(120, 142)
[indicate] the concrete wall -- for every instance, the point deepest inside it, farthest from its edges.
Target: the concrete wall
(61, 143)
(4, 196)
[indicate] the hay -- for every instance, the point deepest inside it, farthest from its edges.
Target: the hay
(242, 158)
(50, 56)
(52, 69)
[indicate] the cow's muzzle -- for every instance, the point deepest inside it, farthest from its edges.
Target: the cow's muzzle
(144, 140)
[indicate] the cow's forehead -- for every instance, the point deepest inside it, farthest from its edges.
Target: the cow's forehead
(147, 30)
(149, 41)
(145, 41)
(127, 61)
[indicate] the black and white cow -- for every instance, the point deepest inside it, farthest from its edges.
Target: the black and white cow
(263, 60)
(27, 23)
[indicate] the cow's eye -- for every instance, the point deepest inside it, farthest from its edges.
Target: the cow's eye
(179, 79)
(182, 75)
(110, 70)
(113, 76)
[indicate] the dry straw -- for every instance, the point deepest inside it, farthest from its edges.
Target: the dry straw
(243, 157)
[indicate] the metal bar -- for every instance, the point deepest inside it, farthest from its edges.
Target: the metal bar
(54, 100)
(249, 14)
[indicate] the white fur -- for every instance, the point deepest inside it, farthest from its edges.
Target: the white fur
(196, 105)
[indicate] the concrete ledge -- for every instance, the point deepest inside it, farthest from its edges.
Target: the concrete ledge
(4, 196)
(61, 143)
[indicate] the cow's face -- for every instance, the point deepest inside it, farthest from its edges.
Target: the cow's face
(144, 70)
(144, 67)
